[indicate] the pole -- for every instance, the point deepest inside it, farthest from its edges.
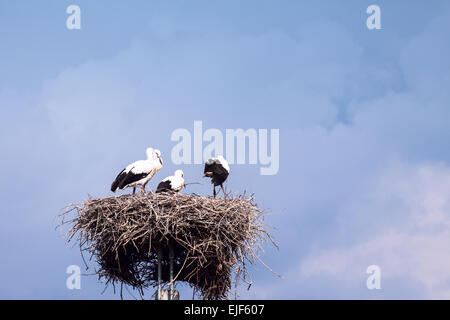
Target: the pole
(171, 257)
(159, 272)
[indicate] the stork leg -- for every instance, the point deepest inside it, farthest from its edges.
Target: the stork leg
(224, 194)
(143, 187)
(134, 190)
(214, 191)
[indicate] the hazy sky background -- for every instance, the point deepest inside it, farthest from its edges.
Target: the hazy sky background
(364, 119)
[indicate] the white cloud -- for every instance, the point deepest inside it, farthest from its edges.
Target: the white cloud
(415, 248)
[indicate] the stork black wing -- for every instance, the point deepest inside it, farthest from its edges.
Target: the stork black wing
(219, 174)
(131, 177)
(116, 182)
(210, 167)
(164, 186)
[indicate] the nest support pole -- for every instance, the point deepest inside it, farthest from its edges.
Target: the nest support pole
(159, 273)
(171, 295)
(171, 257)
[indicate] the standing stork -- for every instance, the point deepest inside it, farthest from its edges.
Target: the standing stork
(218, 170)
(139, 173)
(173, 183)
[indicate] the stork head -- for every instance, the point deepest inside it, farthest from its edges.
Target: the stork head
(149, 153)
(179, 173)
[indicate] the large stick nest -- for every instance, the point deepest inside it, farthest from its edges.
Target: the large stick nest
(211, 239)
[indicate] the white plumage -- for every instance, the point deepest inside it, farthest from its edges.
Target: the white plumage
(139, 173)
(172, 183)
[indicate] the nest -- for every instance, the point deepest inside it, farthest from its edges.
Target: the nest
(211, 239)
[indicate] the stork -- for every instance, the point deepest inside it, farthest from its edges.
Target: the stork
(218, 170)
(173, 183)
(139, 173)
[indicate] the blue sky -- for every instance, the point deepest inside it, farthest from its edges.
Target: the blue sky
(364, 116)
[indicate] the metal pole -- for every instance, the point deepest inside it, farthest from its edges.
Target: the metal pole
(171, 257)
(159, 272)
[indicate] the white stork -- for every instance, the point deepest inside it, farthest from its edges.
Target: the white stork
(218, 170)
(139, 173)
(173, 183)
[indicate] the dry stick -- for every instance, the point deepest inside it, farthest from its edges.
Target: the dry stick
(271, 270)
(187, 184)
(126, 288)
(181, 269)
